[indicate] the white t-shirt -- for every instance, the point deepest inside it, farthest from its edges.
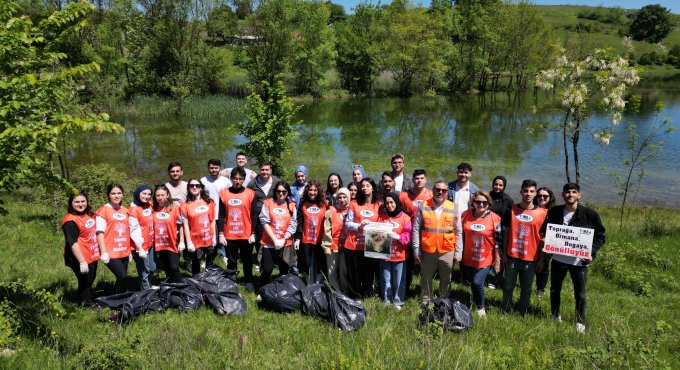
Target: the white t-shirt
(178, 194)
(462, 198)
(568, 260)
(213, 188)
(250, 175)
(399, 182)
(265, 186)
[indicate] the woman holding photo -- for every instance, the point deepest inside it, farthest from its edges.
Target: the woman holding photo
(393, 274)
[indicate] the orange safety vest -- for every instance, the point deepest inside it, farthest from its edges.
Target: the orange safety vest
(438, 235)
(200, 216)
(280, 216)
(237, 224)
(144, 215)
(525, 225)
(369, 212)
(87, 235)
(337, 224)
(478, 239)
(313, 223)
(410, 202)
(117, 233)
(398, 251)
(165, 229)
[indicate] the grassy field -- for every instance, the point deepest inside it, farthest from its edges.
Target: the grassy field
(633, 316)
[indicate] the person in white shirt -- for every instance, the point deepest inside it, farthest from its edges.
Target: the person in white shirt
(401, 180)
(241, 161)
(214, 183)
(177, 187)
(461, 190)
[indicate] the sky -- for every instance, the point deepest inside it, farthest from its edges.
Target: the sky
(673, 5)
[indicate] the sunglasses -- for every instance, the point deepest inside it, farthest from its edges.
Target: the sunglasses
(281, 192)
(440, 190)
(481, 202)
(194, 186)
(544, 196)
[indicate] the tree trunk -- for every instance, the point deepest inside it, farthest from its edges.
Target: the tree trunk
(564, 143)
(574, 143)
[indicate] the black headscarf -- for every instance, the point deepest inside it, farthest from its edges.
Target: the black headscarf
(495, 195)
(397, 209)
(135, 196)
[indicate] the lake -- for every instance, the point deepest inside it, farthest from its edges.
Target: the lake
(490, 131)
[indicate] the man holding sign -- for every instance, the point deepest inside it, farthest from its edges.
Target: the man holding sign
(574, 233)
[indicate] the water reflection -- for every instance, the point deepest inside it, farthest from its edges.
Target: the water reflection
(489, 131)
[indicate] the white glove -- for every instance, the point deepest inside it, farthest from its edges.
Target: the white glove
(84, 268)
(296, 244)
(214, 241)
(279, 243)
(223, 240)
(181, 246)
(190, 247)
(105, 258)
(394, 235)
(142, 253)
(251, 240)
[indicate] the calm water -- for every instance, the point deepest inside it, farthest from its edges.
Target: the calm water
(488, 131)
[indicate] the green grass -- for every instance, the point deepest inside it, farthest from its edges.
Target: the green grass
(210, 106)
(633, 316)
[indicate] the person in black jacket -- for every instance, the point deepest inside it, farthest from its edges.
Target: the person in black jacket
(501, 205)
(572, 214)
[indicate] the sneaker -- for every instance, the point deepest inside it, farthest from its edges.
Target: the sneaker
(540, 293)
(580, 327)
(399, 307)
(202, 265)
(491, 286)
(225, 260)
(481, 312)
(258, 298)
(155, 287)
(257, 268)
(250, 287)
(557, 318)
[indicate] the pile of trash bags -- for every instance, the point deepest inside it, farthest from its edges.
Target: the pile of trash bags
(214, 287)
(453, 315)
(289, 293)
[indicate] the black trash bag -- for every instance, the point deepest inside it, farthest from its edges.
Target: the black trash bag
(219, 292)
(346, 313)
(132, 304)
(453, 315)
(182, 296)
(315, 299)
(283, 294)
(214, 270)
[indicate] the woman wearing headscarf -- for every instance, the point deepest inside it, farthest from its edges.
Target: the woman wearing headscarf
(393, 270)
(140, 218)
(358, 173)
(502, 203)
(334, 237)
(310, 215)
(113, 235)
(298, 187)
(81, 251)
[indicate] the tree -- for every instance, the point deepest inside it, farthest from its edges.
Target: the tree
(38, 96)
(354, 40)
(652, 23)
(599, 77)
(269, 126)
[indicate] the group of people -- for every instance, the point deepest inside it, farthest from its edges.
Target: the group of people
(266, 222)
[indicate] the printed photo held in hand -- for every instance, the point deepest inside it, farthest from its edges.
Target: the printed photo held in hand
(378, 241)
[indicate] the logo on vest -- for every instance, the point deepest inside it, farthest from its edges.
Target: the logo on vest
(417, 203)
(89, 224)
(146, 212)
(395, 225)
(278, 211)
(118, 216)
(366, 213)
(313, 210)
(162, 215)
(477, 227)
(524, 217)
(201, 209)
(235, 202)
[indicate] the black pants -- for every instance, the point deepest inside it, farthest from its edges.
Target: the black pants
(320, 264)
(543, 277)
(304, 259)
(242, 247)
(579, 275)
(118, 267)
(270, 256)
(359, 272)
(85, 282)
(170, 262)
(207, 253)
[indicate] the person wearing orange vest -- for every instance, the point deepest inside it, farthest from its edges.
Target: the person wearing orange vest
(437, 240)
(277, 217)
(235, 225)
(523, 246)
(482, 238)
(113, 235)
(81, 251)
(166, 217)
(140, 219)
(334, 237)
(411, 199)
(198, 224)
(310, 214)
(358, 270)
(393, 274)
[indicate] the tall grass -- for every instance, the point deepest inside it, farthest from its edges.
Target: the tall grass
(625, 329)
(199, 107)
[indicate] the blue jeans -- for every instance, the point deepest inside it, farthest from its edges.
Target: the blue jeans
(145, 268)
(393, 282)
(526, 271)
(476, 277)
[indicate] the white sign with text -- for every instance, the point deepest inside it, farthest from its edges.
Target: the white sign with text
(569, 240)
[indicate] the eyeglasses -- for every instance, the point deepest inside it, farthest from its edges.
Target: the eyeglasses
(237, 179)
(481, 202)
(194, 186)
(440, 190)
(281, 192)
(547, 196)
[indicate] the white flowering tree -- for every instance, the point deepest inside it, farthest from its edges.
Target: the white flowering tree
(597, 81)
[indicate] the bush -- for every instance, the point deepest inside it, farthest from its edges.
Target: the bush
(674, 56)
(604, 15)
